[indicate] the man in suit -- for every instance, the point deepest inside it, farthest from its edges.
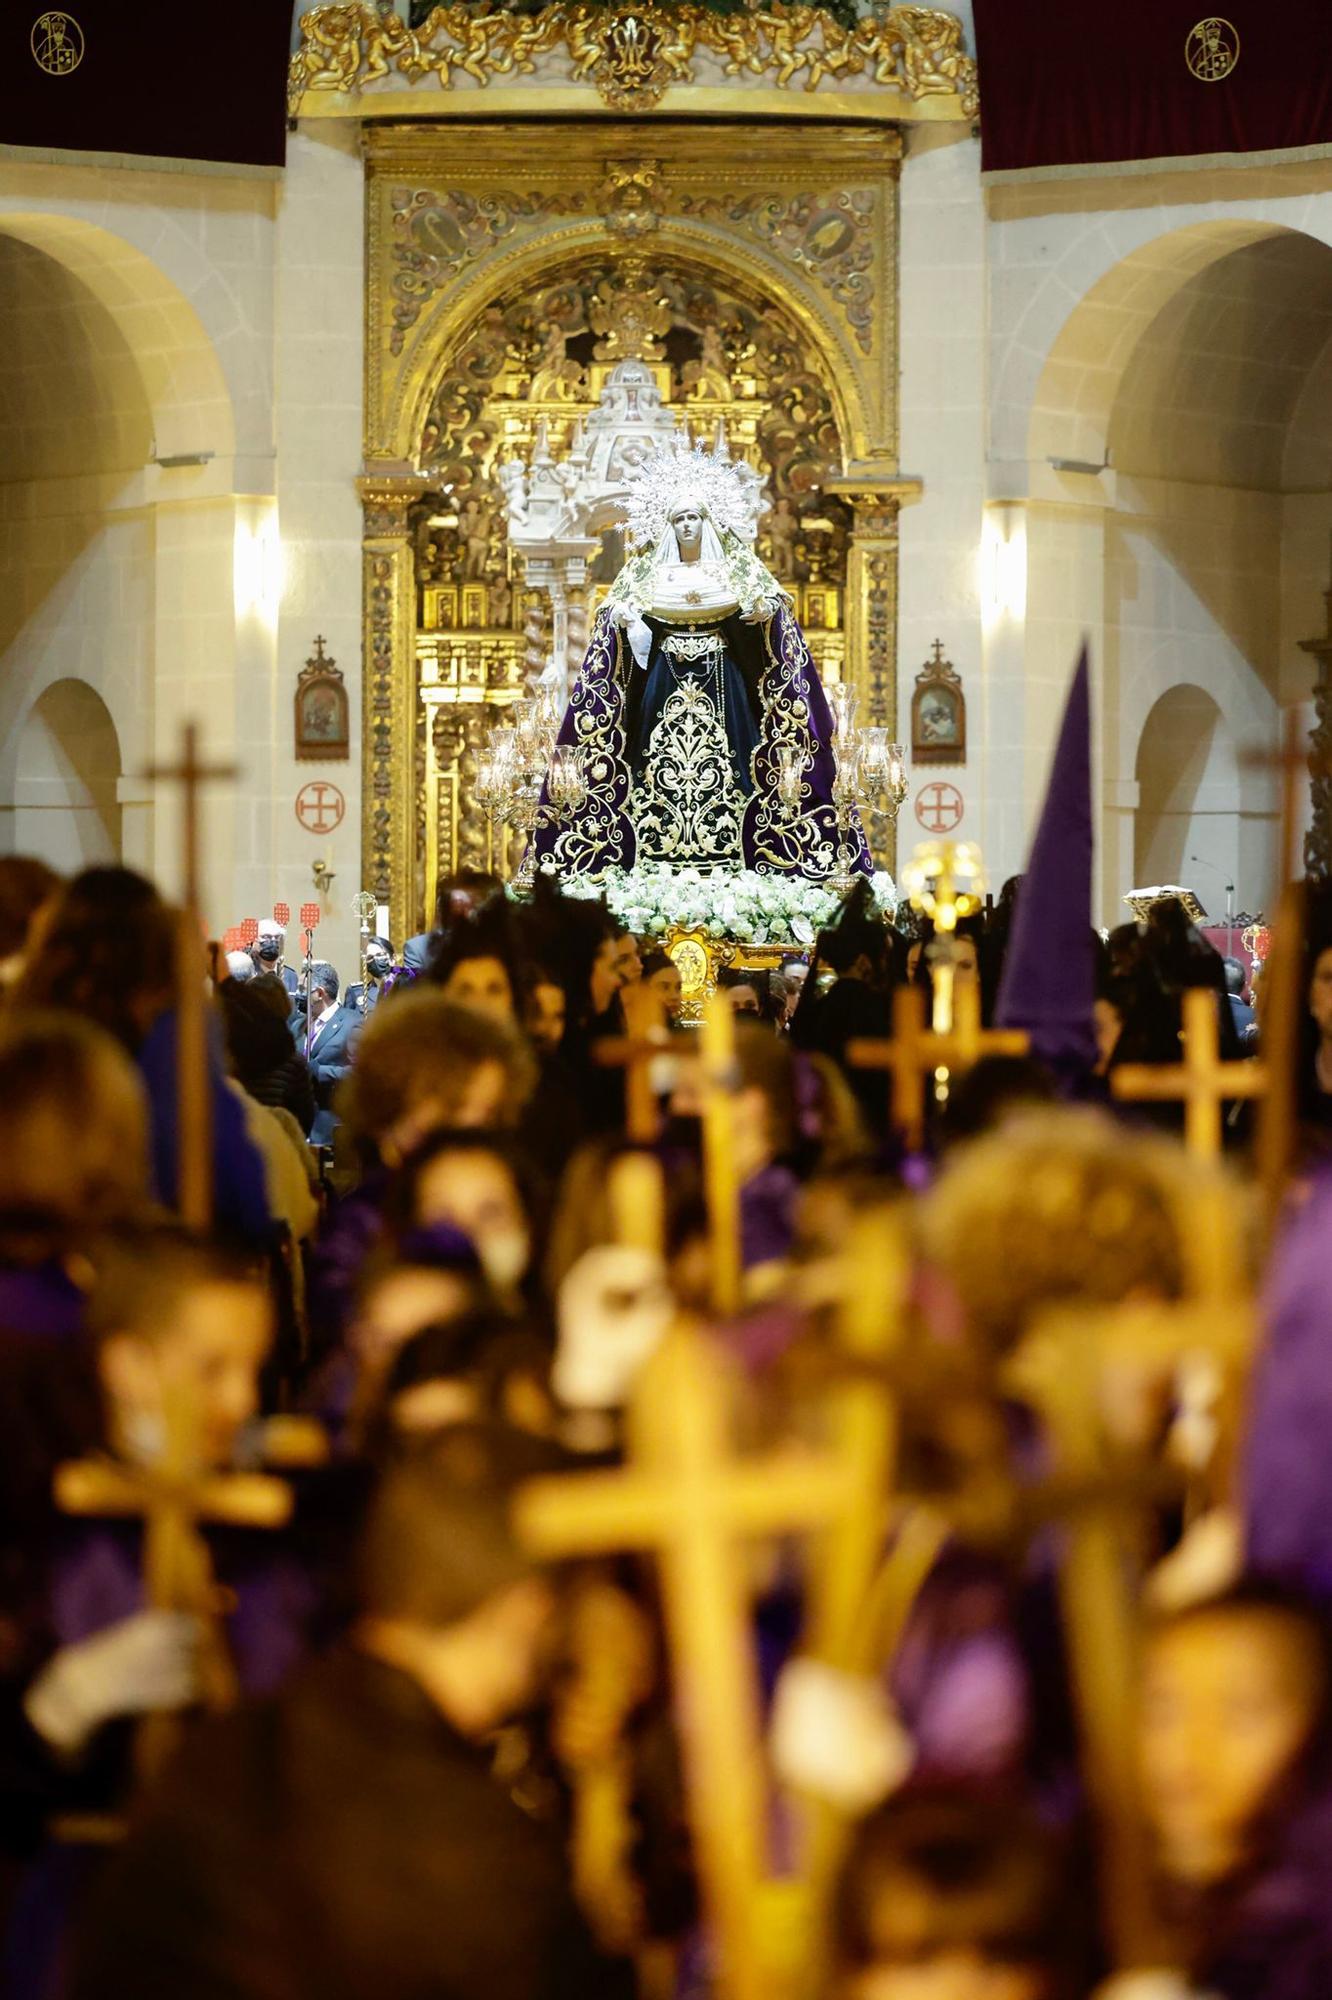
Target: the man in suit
(328, 1041)
(355, 1837)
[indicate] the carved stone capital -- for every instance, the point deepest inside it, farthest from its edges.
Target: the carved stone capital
(387, 499)
(875, 502)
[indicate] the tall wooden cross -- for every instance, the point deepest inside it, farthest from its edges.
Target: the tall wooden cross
(847, 1576)
(194, 1183)
(916, 1054)
(173, 1497)
(691, 1501)
(1058, 1370)
(1283, 977)
(1202, 1083)
(637, 1052)
(720, 1167)
(637, 1194)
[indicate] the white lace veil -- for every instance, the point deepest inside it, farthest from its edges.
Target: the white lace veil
(753, 585)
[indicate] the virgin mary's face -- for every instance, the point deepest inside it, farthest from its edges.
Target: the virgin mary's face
(688, 525)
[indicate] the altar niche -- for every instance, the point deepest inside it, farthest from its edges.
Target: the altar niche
(753, 272)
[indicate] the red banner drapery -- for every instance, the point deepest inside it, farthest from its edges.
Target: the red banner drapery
(173, 78)
(1070, 85)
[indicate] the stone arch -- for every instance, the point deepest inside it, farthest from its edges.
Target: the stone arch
(690, 248)
(1188, 774)
(67, 792)
(177, 361)
(1161, 283)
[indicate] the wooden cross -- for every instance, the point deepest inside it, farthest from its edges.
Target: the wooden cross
(847, 1566)
(915, 1053)
(173, 1497)
(720, 1171)
(689, 1500)
(643, 1044)
(638, 1204)
(1058, 1371)
(1283, 976)
(194, 1188)
(1202, 1083)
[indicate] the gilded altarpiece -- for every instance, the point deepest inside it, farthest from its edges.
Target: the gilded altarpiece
(754, 269)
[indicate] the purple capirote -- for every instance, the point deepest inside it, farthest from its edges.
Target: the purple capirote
(1049, 978)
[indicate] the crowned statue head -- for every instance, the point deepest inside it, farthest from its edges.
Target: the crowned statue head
(691, 517)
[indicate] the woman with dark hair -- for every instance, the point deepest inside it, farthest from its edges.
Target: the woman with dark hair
(108, 952)
(478, 963)
(1233, 1747)
(262, 1057)
(480, 1183)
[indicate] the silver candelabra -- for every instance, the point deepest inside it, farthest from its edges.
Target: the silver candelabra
(521, 759)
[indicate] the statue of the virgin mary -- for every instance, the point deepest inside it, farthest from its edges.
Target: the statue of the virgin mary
(702, 729)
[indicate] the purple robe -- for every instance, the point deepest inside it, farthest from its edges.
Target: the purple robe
(773, 840)
(1287, 1471)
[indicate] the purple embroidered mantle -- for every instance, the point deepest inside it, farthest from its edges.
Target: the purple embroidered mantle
(774, 839)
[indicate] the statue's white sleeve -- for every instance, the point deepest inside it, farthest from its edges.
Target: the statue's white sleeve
(639, 634)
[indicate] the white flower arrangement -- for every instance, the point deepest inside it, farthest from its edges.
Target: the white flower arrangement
(743, 907)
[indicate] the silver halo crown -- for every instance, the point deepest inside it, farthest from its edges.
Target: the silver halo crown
(682, 474)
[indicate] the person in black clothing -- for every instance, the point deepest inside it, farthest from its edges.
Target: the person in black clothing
(1241, 1012)
(263, 1060)
(863, 952)
(354, 1837)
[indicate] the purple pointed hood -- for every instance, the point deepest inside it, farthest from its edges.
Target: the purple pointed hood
(1049, 978)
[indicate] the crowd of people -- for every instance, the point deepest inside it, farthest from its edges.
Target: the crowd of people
(414, 1299)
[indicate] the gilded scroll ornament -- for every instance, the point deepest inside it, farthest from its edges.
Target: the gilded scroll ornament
(436, 234)
(829, 236)
(632, 55)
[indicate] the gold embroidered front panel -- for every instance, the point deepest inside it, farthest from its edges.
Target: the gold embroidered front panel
(510, 268)
(687, 807)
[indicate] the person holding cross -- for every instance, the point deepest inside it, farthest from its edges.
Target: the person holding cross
(177, 1332)
(357, 1836)
(106, 952)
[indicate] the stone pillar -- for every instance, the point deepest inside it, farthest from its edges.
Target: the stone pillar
(870, 608)
(388, 810)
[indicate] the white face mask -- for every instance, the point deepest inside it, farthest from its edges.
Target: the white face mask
(504, 1255)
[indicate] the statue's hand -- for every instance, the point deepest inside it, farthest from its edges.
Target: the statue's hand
(622, 616)
(759, 612)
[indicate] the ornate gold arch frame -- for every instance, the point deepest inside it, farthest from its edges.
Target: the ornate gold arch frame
(539, 197)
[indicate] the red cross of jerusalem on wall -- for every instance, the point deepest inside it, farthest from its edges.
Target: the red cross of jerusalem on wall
(939, 807)
(320, 806)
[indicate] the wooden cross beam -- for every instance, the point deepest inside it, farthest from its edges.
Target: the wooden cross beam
(1202, 1083)
(688, 1499)
(1295, 761)
(636, 1052)
(194, 1188)
(173, 1497)
(637, 1194)
(720, 1170)
(1283, 977)
(915, 1053)
(846, 1564)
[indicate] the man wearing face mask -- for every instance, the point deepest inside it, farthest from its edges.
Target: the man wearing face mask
(268, 954)
(365, 995)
